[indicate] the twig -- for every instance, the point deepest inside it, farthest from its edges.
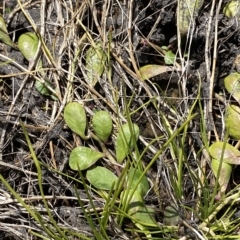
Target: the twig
(210, 76)
(130, 9)
(17, 168)
(213, 70)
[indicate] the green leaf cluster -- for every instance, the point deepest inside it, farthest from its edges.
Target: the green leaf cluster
(82, 158)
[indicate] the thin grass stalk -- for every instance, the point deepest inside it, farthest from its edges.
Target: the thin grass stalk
(89, 219)
(103, 231)
(106, 210)
(39, 171)
(118, 190)
(182, 154)
(39, 235)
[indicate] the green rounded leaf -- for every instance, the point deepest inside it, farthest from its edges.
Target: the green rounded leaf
(101, 178)
(4, 37)
(232, 121)
(102, 125)
(95, 63)
(28, 45)
(224, 176)
(232, 9)
(125, 141)
(83, 158)
(76, 119)
(133, 179)
(231, 155)
(171, 216)
(232, 84)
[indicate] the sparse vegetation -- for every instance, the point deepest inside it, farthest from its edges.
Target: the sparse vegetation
(119, 119)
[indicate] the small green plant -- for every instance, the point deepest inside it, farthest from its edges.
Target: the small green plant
(223, 154)
(152, 70)
(132, 198)
(84, 158)
(169, 56)
(28, 45)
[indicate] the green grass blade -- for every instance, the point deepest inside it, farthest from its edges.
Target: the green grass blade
(39, 171)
